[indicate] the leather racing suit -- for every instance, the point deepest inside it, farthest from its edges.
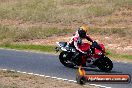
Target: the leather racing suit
(75, 42)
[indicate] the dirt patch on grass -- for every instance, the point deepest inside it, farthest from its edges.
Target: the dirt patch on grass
(47, 41)
(10, 79)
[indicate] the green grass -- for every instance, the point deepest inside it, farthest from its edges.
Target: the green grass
(121, 56)
(47, 48)
(127, 56)
(43, 48)
(114, 55)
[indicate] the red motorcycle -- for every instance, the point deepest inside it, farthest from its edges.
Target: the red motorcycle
(98, 58)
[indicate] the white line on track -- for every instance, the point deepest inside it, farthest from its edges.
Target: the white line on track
(54, 77)
(47, 76)
(30, 73)
(73, 81)
(99, 86)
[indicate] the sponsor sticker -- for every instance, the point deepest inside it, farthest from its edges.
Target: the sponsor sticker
(102, 78)
(108, 78)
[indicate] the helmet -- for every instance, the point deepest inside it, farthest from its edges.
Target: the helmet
(85, 28)
(82, 31)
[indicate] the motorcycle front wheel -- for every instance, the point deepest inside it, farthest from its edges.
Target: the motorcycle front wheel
(104, 64)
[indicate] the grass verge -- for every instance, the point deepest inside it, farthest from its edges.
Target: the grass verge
(43, 48)
(114, 55)
(121, 56)
(13, 34)
(51, 49)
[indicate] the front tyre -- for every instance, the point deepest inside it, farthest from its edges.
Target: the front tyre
(105, 64)
(64, 58)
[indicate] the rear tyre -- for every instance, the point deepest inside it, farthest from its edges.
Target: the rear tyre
(105, 64)
(65, 59)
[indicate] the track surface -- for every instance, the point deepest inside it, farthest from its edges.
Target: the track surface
(48, 64)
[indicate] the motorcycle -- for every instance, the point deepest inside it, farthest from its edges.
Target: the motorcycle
(97, 59)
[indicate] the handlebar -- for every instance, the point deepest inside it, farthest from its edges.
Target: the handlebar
(96, 45)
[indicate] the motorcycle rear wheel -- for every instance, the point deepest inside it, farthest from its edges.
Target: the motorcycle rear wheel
(65, 60)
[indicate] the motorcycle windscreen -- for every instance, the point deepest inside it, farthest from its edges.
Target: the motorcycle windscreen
(84, 47)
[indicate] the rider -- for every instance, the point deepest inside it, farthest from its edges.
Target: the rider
(76, 40)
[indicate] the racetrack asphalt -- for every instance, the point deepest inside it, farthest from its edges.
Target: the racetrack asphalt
(48, 64)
